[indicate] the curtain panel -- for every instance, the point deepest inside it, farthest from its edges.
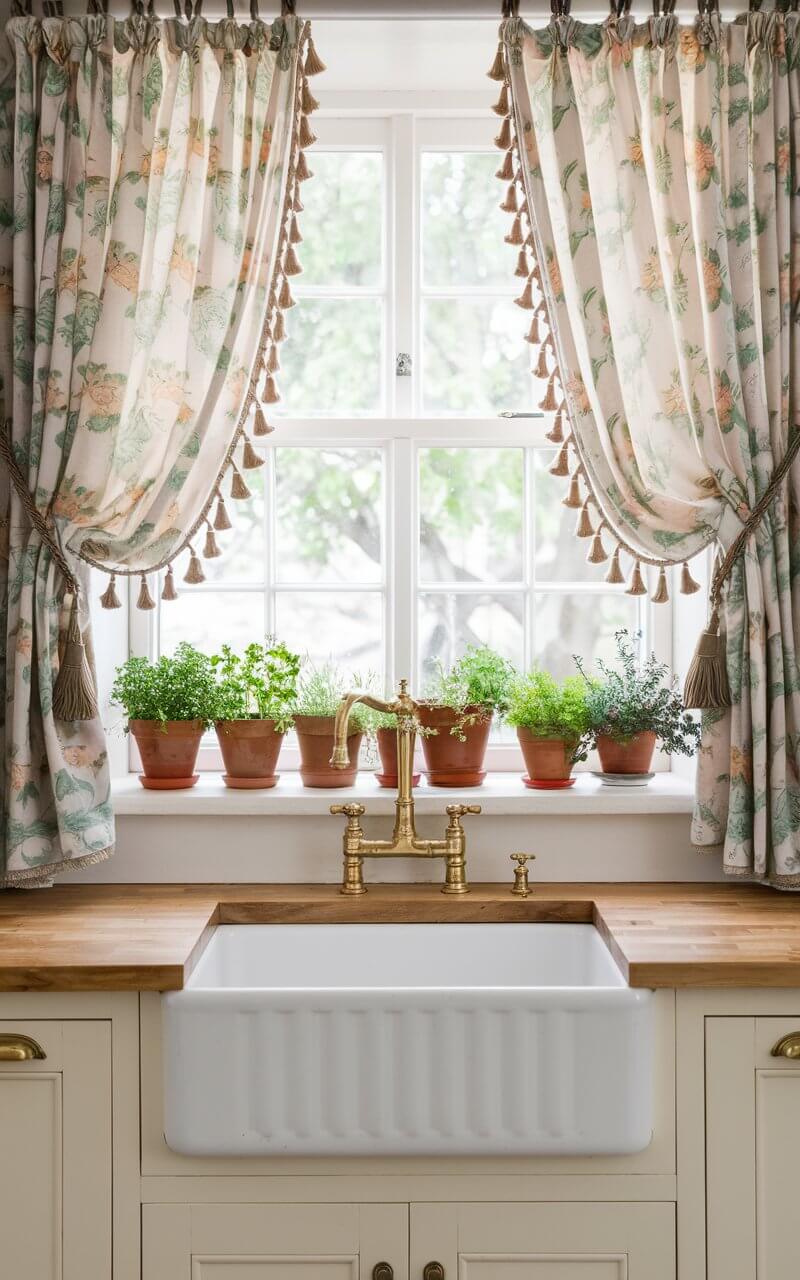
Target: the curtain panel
(148, 190)
(658, 163)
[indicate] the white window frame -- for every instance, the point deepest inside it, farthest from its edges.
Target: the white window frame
(402, 136)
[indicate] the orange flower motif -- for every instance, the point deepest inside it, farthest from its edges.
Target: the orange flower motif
(576, 390)
(782, 160)
(652, 277)
(123, 273)
(24, 644)
(705, 161)
(185, 413)
(724, 402)
(70, 274)
(674, 402)
(104, 394)
(741, 765)
(183, 265)
(712, 280)
(556, 283)
(692, 52)
(78, 757)
(586, 202)
(264, 149)
(44, 164)
(19, 775)
(636, 151)
(54, 399)
(213, 163)
(247, 258)
(158, 158)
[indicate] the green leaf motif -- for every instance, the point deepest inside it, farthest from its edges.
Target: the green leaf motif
(56, 211)
(152, 86)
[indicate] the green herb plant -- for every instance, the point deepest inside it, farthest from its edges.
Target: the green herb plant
(320, 690)
(548, 708)
(638, 697)
(176, 687)
(260, 684)
(480, 678)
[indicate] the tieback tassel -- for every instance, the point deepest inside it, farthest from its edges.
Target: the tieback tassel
(510, 204)
(597, 552)
(584, 528)
(497, 70)
(302, 172)
(145, 600)
(506, 171)
(549, 403)
(306, 136)
(501, 107)
(222, 520)
(109, 599)
(706, 684)
(313, 64)
(251, 459)
(74, 695)
(572, 498)
(561, 465)
(661, 593)
(194, 573)
(260, 425)
(295, 234)
(688, 584)
(503, 139)
(168, 591)
(636, 586)
(515, 235)
(239, 490)
(291, 263)
(211, 546)
(615, 575)
(308, 102)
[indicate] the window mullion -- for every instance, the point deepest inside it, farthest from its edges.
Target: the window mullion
(402, 229)
(402, 558)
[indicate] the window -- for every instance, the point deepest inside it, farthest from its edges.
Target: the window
(398, 518)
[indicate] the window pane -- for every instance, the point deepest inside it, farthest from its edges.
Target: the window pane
(450, 621)
(329, 515)
(343, 220)
(209, 619)
(471, 514)
(345, 627)
(573, 622)
(242, 547)
(463, 228)
(332, 359)
(475, 359)
(560, 556)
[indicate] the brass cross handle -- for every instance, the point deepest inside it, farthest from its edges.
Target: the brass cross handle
(787, 1046)
(521, 887)
(351, 811)
(456, 812)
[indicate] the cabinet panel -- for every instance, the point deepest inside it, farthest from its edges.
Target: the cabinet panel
(30, 1175)
(545, 1241)
(273, 1242)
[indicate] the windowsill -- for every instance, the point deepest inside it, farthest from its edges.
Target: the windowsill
(501, 794)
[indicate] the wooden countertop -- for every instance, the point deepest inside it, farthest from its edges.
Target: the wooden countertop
(148, 937)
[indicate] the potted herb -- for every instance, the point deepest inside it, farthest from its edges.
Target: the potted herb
(168, 703)
(255, 694)
(552, 722)
(384, 726)
(320, 691)
(456, 716)
(633, 707)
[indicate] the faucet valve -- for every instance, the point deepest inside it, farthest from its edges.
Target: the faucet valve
(456, 812)
(521, 888)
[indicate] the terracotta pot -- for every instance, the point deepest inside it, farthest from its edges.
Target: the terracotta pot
(387, 750)
(169, 752)
(632, 756)
(250, 750)
(315, 740)
(546, 759)
(449, 762)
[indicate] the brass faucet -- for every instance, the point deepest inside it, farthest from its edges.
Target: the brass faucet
(405, 843)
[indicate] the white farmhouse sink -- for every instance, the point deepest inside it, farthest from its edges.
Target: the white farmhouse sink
(407, 1039)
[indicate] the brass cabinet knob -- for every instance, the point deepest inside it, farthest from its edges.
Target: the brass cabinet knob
(787, 1046)
(521, 887)
(15, 1047)
(382, 1271)
(433, 1271)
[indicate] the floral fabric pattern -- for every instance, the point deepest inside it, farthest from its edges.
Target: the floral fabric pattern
(661, 167)
(143, 165)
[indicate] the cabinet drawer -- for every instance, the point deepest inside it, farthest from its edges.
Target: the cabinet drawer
(772, 1034)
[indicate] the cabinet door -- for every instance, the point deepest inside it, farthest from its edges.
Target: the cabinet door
(544, 1241)
(55, 1154)
(273, 1241)
(752, 1145)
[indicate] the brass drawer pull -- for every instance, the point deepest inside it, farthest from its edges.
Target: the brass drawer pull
(18, 1048)
(382, 1271)
(787, 1046)
(433, 1271)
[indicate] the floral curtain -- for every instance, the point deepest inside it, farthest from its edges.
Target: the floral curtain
(149, 175)
(659, 171)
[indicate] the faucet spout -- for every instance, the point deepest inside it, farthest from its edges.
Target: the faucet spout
(341, 757)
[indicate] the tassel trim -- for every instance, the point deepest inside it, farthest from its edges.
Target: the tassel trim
(222, 520)
(688, 584)
(260, 425)
(109, 599)
(615, 576)
(706, 687)
(506, 171)
(211, 547)
(661, 593)
(168, 591)
(584, 528)
(313, 64)
(145, 600)
(636, 586)
(561, 465)
(597, 552)
(251, 459)
(194, 574)
(239, 490)
(497, 70)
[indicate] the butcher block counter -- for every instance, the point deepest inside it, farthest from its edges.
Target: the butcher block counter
(149, 937)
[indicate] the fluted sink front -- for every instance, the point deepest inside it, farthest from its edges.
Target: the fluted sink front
(407, 1039)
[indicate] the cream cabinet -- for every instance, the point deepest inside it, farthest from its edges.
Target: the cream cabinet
(55, 1138)
(274, 1242)
(752, 1146)
(543, 1242)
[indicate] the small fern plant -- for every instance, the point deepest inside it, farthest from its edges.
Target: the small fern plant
(549, 708)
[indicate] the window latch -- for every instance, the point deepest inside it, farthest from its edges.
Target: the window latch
(403, 364)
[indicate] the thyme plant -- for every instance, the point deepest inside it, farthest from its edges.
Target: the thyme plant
(176, 687)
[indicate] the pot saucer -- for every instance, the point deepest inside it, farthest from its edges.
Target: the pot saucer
(623, 779)
(250, 784)
(553, 784)
(168, 784)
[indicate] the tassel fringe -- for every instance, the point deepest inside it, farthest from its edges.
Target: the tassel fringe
(306, 136)
(194, 573)
(661, 593)
(222, 520)
(260, 425)
(615, 575)
(302, 172)
(109, 599)
(506, 171)
(211, 548)
(549, 403)
(279, 328)
(291, 264)
(688, 584)
(515, 235)
(503, 139)
(271, 393)
(251, 459)
(636, 587)
(313, 64)
(561, 465)
(572, 498)
(706, 684)
(308, 102)
(597, 552)
(168, 591)
(74, 695)
(584, 527)
(510, 204)
(501, 107)
(239, 490)
(497, 70)
(145, 600)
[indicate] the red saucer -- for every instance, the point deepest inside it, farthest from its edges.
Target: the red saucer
(390, 780)
(168, 784)
(250, 784)
(555, 784)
